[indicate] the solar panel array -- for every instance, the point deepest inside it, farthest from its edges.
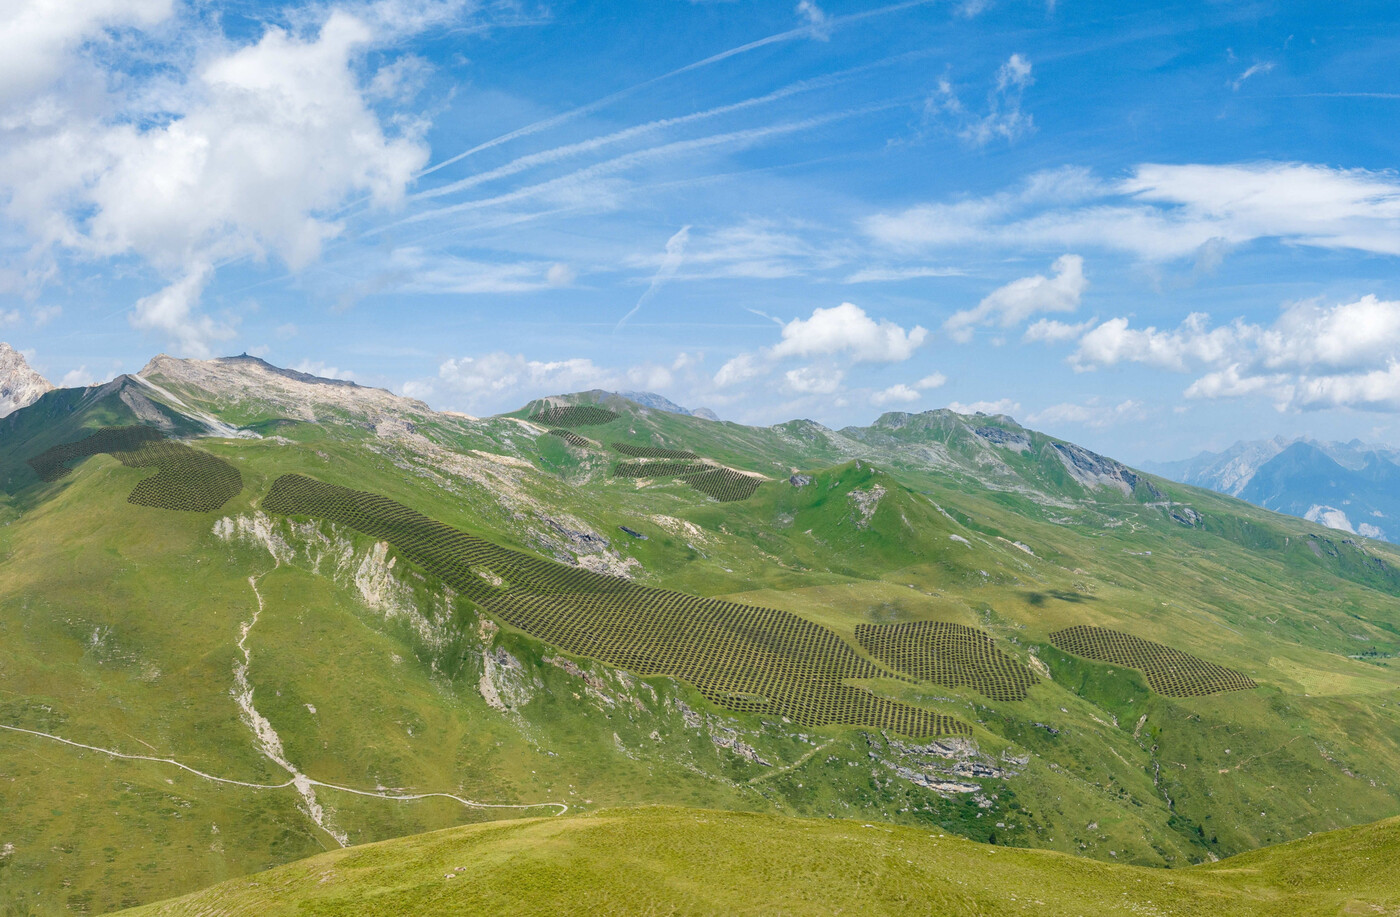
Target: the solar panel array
(653, 452)
(662, 469)
(573, 439)
(739, 656)
(185, 479)
(573, 415)
(52, 464)
(1170, 672)
(724, 484)
(953, 655)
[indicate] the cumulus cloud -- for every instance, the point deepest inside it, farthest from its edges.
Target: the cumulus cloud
(843, 334)
(743, 368)
(1312, 356)
(40, 36)
(1017, 301)
(78, 378)
(171, 311)
(813, 380)
(1050, 331)
(244, 154)
(846, 329)
(1114, 342)
(1164, 212)
(904, 393)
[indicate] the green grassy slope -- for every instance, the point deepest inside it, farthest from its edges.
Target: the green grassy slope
(689, 861)
(120, 629)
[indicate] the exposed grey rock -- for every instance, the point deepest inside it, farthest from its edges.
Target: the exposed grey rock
(20, 386)
(1015, 440)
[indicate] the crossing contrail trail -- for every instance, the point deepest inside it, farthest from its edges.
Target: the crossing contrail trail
(563, 117)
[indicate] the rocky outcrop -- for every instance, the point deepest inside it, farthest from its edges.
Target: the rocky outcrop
(1015, 440)
(20, 386)
(1093, 470)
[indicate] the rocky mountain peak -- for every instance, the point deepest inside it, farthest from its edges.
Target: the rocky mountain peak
(20, 385)
(247, 380)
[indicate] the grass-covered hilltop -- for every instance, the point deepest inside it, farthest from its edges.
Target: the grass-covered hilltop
(250, 617)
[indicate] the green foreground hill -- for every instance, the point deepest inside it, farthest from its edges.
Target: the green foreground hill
(187, 697)
(691, 861)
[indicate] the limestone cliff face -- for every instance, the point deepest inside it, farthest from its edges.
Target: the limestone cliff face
(20, 386)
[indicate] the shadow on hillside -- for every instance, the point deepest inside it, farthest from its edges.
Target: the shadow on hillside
(1064, 595)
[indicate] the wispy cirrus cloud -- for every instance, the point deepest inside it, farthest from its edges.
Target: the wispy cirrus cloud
(1163, 212)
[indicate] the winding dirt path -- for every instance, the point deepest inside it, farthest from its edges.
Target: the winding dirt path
(377, 794)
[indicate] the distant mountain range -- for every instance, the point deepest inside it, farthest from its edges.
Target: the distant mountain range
(1353, 486)
(662, 403)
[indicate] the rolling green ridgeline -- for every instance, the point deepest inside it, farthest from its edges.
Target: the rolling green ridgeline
(686, 861)
(161, 636)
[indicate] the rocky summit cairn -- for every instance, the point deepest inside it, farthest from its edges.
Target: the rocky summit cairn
(20, 386)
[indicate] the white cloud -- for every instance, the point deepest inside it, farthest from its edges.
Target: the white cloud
(325, 371)
(242, 154)
(670, 263)
(1017, 301)
(1253, 70)
(751, 249)
(501, 380)
(560, 275)
(816, 19)
(743, 368)
(1114, 342)
(847, 329)
(1002, 406)
(500, 371)
(1003, 119)
(814, 380)
(77, 378)
(904, 393)
(1090, 414)
(1164, 212)
(38, 37)
(1050, 331)
(415, 270)
(896, 274)
(895, 394)
(1312, 356)
(171, 311)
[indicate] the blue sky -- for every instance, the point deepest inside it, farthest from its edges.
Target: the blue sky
(1147, 230)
